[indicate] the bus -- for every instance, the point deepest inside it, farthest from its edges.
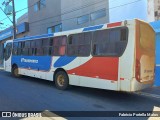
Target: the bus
(117, 56)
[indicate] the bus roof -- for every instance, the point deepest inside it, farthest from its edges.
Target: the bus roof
(85, 29)
(34, 37)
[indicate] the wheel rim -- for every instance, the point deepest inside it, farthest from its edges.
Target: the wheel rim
(60, 80)
(16, 72)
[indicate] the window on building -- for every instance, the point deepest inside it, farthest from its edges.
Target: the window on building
(36, 7)
(110, 42)
(98, 14)
(42, 4)
(156, 13)
(39, 5)
(54, 29)
(79, 44)
(83, 19)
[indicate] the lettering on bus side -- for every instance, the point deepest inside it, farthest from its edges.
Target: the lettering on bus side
(28, 60)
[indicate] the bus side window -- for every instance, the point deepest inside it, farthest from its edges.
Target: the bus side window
(59, 46)
(79, 44)
(39, 47)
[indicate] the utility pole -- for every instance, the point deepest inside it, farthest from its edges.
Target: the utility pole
(14, 20)
(14, 16)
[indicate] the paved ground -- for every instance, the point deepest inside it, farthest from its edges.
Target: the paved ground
(30, 94)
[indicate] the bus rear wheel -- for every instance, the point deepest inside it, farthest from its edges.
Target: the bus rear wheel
(61, 80)
(15, 72)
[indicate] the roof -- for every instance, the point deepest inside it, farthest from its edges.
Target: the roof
(156, 26)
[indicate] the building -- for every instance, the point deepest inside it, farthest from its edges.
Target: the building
(82, 13)
(44, 16)
(148, 10)
(156, 26)
(157, 9)
(49, 16)
(22, 19)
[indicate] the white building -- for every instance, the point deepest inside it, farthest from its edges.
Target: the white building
(148, 10)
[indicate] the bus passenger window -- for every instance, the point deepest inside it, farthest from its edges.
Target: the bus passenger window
(39, 52)
(59, 46)
(62, 50)
(79, 44)
(25, 51)
(70, 40)
(110, 42)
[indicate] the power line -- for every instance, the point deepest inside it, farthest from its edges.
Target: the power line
(20, 10)
(40, 24)
(67, 12)
(79, 16)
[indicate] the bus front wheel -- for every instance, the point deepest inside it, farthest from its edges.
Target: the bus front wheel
(61, 80)
(15, 72)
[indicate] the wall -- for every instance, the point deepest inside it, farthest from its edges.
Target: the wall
(46, 17)
(22, 19)
(72, 9)
(128, 9)
(151, 6)
(157, 78)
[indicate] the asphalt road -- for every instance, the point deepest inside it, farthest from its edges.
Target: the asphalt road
(30, 94)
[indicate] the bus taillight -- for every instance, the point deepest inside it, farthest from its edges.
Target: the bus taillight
(138, 70)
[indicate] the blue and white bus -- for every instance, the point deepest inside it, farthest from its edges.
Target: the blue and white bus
(116, 56)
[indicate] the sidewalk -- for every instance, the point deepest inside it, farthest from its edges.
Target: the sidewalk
(151, 92)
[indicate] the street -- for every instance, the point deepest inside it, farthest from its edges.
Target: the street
(30, 94)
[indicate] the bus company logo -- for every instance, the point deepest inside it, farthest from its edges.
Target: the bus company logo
(148, 71)
(28, 60)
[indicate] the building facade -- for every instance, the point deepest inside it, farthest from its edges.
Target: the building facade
(148, 10)
(156, 26)
(82, 13)
(44, 16)
(157, 9)
(49, 16)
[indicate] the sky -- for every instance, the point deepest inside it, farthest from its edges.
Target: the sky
(19, 4)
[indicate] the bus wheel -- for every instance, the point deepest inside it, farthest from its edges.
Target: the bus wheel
(61, 80)
(15, 72)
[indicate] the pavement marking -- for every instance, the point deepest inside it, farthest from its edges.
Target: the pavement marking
(155, 118)
(149, 94)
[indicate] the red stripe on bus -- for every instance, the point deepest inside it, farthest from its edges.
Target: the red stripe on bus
(114, 24)
(98, 67)
(121, 78)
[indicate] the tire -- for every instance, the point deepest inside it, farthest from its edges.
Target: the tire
(61, 80)
(15, 72)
